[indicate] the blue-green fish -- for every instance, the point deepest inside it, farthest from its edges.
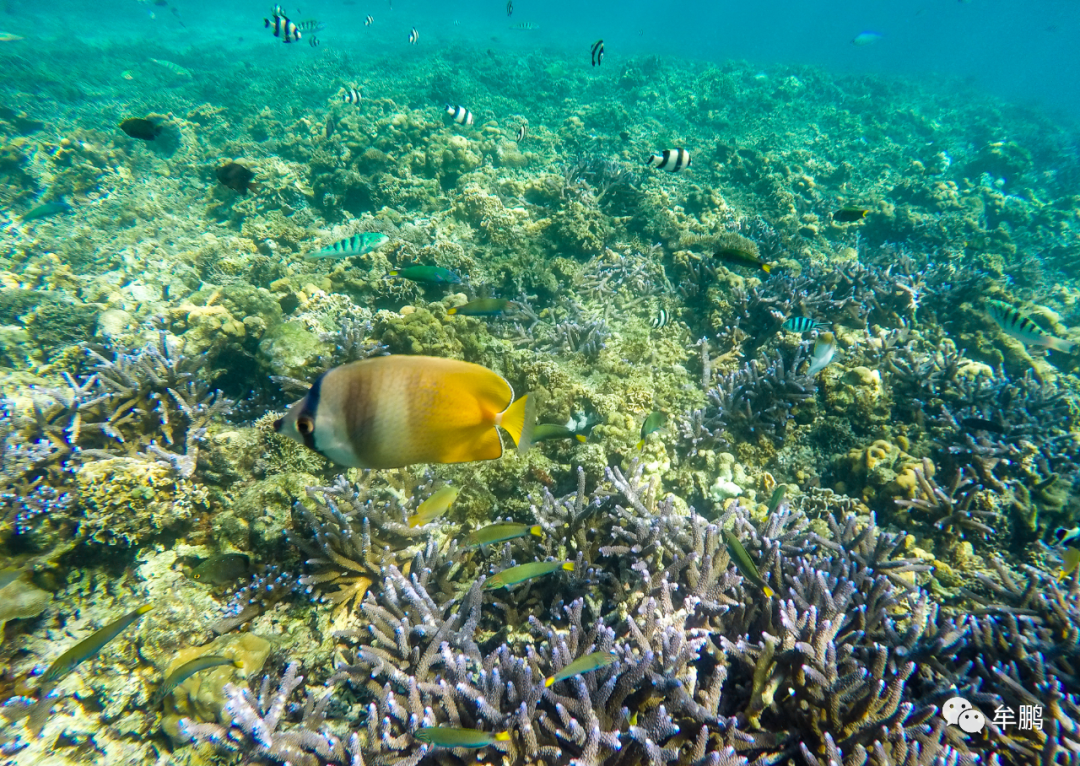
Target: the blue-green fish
(501, 532)
(776, 498)
(452, 736)
(190, 668)
(523, 572)
(1021, 327)
(357, 244)
(71, 659)
(47, 210)
(481, 307)
(652, 424)
(548, 431)
(584, 664)
(434, 275)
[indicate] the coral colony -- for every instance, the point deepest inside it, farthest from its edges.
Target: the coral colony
(805, 486)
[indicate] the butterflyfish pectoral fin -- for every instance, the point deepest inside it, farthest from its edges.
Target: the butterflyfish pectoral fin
(518, 420)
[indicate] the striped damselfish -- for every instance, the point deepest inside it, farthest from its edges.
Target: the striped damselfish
(1021, 327)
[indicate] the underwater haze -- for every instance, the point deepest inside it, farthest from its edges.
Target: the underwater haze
(401, 383)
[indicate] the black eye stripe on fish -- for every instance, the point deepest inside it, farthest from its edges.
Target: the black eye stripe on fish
(671, 160)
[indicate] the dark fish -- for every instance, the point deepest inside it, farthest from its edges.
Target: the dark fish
(190, 668)
(221, 569)
(481, 307)
(451, 736)
(237, 177)
(56, 207)
(744, 563)
(550, 431)
(71, 659)
(737, 257)
(509, 7)
(598, 53)
(652, 424)
(671, 160)
(434, 275)
(501, 532)
(330, 125)
(982, 424)
(849, 214)
(283, 28)
(584, 664)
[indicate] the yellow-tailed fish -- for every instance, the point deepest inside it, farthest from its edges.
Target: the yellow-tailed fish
(393, 411)
(583, 664)
(434, 507)
(1070, 538)
(824, 351)
(1017, 325)
(452, 736)
(543, 432)
(522, 572)
(71, 659)
(776, 498)
(652, 424)
(501, 532)
(744, 563)
(737, 257)
(190, 668)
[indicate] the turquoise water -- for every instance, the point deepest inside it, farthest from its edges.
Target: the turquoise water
(799, 546)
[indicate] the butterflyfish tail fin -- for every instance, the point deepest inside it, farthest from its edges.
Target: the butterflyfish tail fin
(518, 420)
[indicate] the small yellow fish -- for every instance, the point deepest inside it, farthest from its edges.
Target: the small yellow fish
(434, 507)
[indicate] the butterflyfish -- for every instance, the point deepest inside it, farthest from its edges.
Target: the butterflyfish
(394, 411)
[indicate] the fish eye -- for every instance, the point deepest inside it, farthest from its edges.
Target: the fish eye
(305, 425)
(278, 424)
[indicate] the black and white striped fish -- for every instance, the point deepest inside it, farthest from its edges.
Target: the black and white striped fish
(1024, 329)
(598, 53)
(283, 28)
(351, 96)
(661, 319)
(802, 324)
(368, 21)
(414, 36)
(311, 25)
(523, 131)
(527, 25)
(672, 160)
(459, 114)
(278, 10)
(314, 42)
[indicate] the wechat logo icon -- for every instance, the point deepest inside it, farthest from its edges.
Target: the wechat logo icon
(959, 712)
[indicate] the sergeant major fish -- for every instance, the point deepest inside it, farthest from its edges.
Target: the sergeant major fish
(1021, 327)
(357, 244)
(283, 28)
(369, 21)
(352, 95)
